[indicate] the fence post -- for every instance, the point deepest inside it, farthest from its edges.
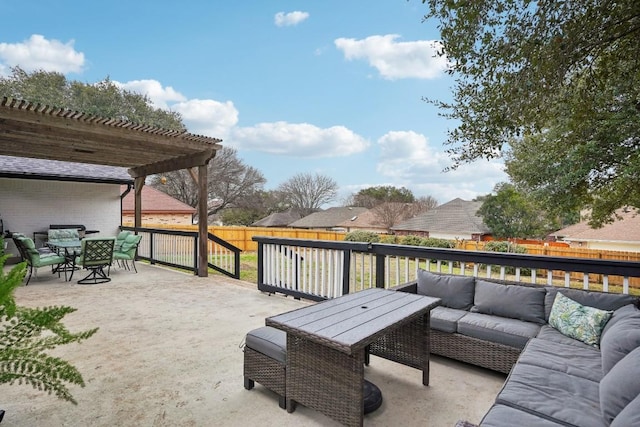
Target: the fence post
(346, 271)
(260, 264)
(380, 270)
(195, 255)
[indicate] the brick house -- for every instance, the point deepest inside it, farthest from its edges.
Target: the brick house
(157, 208)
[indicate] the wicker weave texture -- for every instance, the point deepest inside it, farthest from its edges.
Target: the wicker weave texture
(403, 345)
(497, 357)
(326, 380)
(265, 371)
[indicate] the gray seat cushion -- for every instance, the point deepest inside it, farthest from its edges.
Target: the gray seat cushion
(269, 341)
(621, 338)
(502, 330)
(445, 319)
(506, 416)
(549, 333)
(454, 291)
(620, 386)
(629, 416)
(570, 400)
(582, 362)
(513, 301)
(601, 300)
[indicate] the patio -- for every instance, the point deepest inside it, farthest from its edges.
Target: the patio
(168, 354)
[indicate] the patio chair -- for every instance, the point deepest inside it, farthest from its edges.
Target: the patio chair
(36, 259)
(120, 238)
(127, 251)
(96, 254)
(64, 235)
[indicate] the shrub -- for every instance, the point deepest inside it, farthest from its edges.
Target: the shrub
(362, 236)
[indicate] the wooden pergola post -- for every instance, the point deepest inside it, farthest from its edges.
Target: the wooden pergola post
(203, 222)
(138, 183)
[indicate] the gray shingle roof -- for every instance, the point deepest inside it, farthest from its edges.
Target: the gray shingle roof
(625, 229)
(278, 219)
(456, 216)
(24, 167)
(328, 218)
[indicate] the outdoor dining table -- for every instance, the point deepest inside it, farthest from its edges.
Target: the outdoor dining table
(70, 250)
(327, 346)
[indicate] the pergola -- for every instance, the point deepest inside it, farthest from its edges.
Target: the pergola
(45, 132)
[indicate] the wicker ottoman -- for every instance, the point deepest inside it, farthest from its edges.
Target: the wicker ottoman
(265, 358)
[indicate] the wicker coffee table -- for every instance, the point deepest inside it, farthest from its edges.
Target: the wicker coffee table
(326, 346)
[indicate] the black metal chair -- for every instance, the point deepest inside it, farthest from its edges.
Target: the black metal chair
(96, 255)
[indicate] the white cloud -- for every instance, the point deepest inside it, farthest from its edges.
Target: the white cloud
(407, 159)
(299, 140)
(396, 60)
(208, 117)
(39, 53)
(159, 95)
(283, 19)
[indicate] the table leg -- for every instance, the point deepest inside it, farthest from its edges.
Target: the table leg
(326, 380)
(426, 347)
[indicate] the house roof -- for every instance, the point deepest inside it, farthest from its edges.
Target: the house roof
(371, 219)
(626, 229)
(52, 133)
(278, 219)
(26, 168)
(329, 218)
(155, 201)
(455, 216)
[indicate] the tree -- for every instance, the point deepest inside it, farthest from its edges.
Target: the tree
(231, 182)
(510, 214)
(562, 75)
(103, 99)
(307, 192)
(25, 335)
(373, 196)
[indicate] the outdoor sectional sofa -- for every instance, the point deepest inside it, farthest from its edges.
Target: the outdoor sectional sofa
(587, 375)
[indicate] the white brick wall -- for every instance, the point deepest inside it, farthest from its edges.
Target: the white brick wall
(28, 205)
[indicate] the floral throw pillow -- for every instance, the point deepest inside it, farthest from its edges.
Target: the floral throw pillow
(578, 321)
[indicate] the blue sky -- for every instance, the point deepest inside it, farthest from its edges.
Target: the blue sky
(326, 86)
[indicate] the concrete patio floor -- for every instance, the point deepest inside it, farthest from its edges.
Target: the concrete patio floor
(168, 354)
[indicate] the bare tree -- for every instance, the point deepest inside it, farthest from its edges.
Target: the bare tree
(230, 182)
(307, 192)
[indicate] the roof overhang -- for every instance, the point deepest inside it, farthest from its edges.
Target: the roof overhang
(43, 132)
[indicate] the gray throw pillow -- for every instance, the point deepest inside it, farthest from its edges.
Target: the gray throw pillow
(620, 386)
(513, 301)
(629, 416)
(454, 291)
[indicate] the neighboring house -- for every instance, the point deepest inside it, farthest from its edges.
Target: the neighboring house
(621, 235)
(278, 219)
(329, 219)
(456, 219)
(35, 193)
(157, 208)
(376, 219)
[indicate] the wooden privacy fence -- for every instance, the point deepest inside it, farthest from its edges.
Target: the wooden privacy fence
(241, 237)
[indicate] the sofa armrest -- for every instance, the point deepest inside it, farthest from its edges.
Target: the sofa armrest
(411, 287)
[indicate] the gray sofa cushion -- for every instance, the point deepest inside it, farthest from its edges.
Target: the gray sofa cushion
(601, 300)
(269, 341)
(620, 386)
(581, 362)
(445, 319)
(570, 400)
(506, 416)
(629, 416)
(621, 338)
(514, 301)
(625, 312)
(502, 330)
(454, 291)
(549, 333)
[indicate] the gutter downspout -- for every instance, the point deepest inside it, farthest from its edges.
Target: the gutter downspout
(122, 196)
